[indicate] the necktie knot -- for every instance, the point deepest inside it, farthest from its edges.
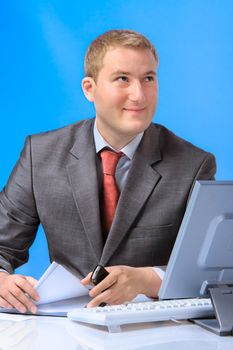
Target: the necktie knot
(109, 161)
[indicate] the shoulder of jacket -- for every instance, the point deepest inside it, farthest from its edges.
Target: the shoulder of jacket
(170, 141)
(66, 131)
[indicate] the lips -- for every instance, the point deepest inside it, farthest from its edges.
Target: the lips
(134, 109)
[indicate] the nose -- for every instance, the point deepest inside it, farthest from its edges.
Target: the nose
(136, 92)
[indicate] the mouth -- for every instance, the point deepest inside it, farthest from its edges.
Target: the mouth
(134, 109)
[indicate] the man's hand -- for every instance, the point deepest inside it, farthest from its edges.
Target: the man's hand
(123, 284)
(18, 291)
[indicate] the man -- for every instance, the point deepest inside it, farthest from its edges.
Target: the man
(61, 181)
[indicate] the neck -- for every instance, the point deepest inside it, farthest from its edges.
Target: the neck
(115, 141)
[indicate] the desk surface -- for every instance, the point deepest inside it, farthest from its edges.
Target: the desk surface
(40, 332)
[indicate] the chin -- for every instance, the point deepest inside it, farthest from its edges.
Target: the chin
(133, 132)
(137, 127)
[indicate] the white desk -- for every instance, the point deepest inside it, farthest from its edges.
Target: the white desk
(48, 333)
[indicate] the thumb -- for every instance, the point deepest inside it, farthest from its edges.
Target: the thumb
(87, 279)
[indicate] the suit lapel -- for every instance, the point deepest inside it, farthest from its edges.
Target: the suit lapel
(83, 179)
(141, 181)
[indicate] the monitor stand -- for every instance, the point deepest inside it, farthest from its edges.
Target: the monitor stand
(222, 299)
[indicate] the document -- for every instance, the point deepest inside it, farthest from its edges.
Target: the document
(57, 284)
(60, 292)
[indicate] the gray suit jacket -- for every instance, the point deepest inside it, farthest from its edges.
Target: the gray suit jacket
(55, 183)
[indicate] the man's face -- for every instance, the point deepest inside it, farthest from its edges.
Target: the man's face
(125, 94)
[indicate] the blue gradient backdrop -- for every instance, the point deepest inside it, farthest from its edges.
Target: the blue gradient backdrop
(41, 65)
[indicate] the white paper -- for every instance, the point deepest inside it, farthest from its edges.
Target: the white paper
(61, 308)
(57, 284)
(60, 292)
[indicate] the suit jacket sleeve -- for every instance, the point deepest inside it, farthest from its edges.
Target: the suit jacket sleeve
(18, 215)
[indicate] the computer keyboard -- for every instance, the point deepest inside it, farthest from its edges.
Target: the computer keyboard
(116, 315)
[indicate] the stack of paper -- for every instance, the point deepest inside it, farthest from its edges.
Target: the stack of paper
(60, 292)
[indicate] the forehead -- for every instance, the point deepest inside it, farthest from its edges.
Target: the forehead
(128, 59)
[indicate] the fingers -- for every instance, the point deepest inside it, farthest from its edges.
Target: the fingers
(18, 299)
(86, 280)
(5, 304)
(14, 302)
(24, 284)
(122, 284)
(116, 288)
(96, 292)
(31, 280)
(105, 284)
(16, 291)
(109, 296)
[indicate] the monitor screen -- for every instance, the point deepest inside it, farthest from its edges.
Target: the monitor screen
(203, 250)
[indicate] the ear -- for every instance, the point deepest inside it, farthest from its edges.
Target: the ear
(88, 86)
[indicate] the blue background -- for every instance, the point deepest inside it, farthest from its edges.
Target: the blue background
(41, 66)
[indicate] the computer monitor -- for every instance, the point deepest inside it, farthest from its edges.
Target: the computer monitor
(203, 250)
(201, 262)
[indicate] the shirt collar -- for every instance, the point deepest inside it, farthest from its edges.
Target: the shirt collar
(128, 150)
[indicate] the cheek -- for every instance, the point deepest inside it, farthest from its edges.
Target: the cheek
(114, 95)
(117, 96)
(108, 97)
(152, 97)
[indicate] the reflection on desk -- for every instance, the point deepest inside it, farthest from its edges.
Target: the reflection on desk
(157, 335)
(41, 333)
(17, 335)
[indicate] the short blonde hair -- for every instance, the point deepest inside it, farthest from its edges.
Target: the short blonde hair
(96, 51)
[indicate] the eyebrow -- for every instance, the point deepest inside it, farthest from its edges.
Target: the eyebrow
(120, 72)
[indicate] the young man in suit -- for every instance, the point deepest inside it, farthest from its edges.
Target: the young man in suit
(126, 220)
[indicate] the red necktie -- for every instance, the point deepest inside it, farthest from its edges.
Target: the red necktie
(110, 189)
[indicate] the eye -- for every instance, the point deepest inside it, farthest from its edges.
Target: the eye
(149, 78)
(122, 78)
